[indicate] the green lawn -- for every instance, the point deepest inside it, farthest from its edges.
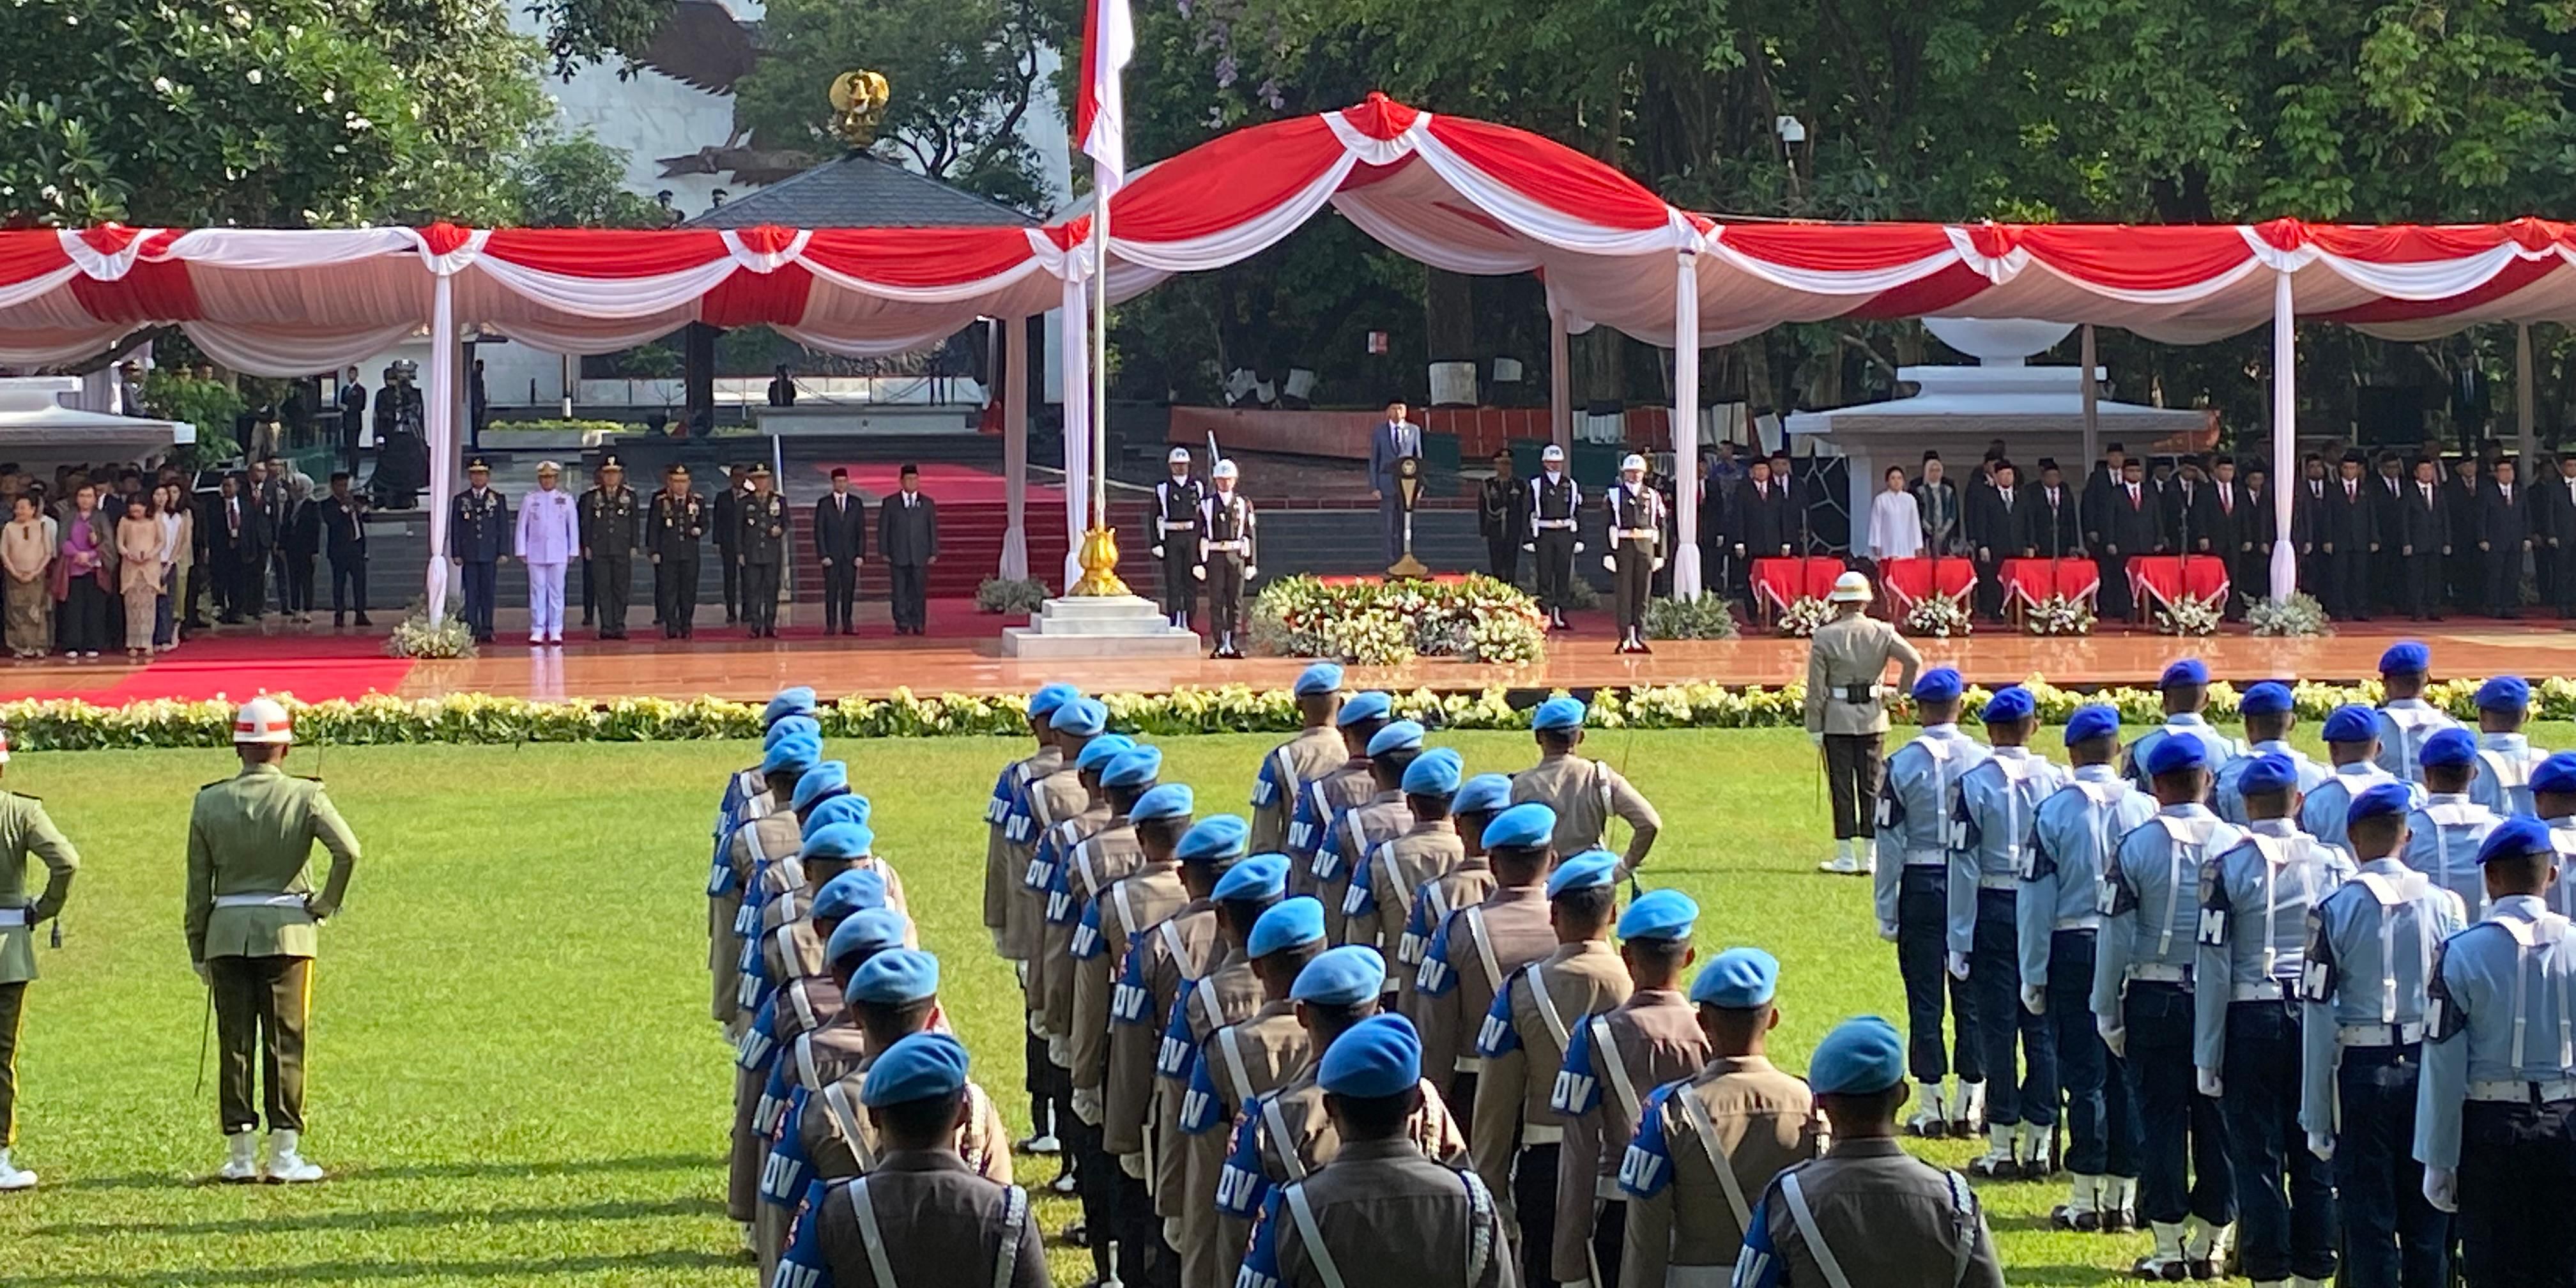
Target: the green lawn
(513, 1075)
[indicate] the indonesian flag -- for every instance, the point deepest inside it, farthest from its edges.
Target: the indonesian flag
(1099, 117)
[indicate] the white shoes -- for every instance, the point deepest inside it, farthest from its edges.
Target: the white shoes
(241, 1158)
(1968, 1110)
(1845, 862)
(1865, 849)
(1930, 1116)
(13, 1177)
(285, 1165)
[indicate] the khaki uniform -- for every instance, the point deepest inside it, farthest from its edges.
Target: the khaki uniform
(802, 1005)
(1286, 1136)
(1285, 772)
(1100, 861)
(1510, 927)
(839, 1142)
(250, 916)
(1356, 831)
(1516, 1131)
(1397, 869)
(811, 1062)
(1227, 994)
(1003, 861)
(1343, 787)
(24, 830)
(1149, 894)
(1760, 1120)
(1586, 795)
(1053, 969)
(950, 1227)
(1241, 1061)
(1888, 1220)
(1138, 1114)
(752, 847)
(1846, 664)
(1052, 800)
(1390, 1218)
(1647, 1041)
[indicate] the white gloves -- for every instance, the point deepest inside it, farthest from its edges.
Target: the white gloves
(1659, 565)
(2208, 1082)
(1610, 562)
(1816, 737)
(2442, 1188)
(1172, 1231)
(1059, 1052)
(1199, 571)
(2114, 1036)
(1086, 1106)
(204, 976)
(1158, 550)
(1133, 1165)
(1251, 571)
(1887, 932)
(2034, 999)
(1958, 965)
(2321, 1145)
(1578, 547)
(1529, 545)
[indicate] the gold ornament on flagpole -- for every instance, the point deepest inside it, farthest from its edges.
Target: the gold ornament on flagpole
(1099, 560)
(859, 107)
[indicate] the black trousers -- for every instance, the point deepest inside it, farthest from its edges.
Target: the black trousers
(261, 1005)
(1990, 587)
(589, 590)
(349, 585)
(1854, 768)
(1144, 1260)
(909, 595)
(2392, 1238)
(1180, 589)
(1461, 1093)
(840, 591)
(2116, 601)
(1503, 558)
(2423, 583)
(2182, 1160)
(197, 588)
(1632, 584)
(298, 589)
(675, 593)
(1609, 1241)
(250, 578)
(760, 595)
(607, 584)
(2284, 1196)
(732, 582)
(1534, 1204)
(2517, 1182)
(1922, 962)
(1225, 596)
(2504, 580)
(2348, 581)
(1555, 568)
(480, 576)
(2006, 1029)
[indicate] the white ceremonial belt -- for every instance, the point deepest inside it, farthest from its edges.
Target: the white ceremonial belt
(2004, 882)
(2077, 923)
(281, 900)
(1635, 534)
(1607, 1189)
(1557, 525)
(2270, 990)
(1171, 527)
(1541, 1134)
(2515, 1092)
(1235, 547)
(2378, 1035)
(1927, 858)
(2154, 973)
(1467, 1064)
(12, 918)
(1698, 1276)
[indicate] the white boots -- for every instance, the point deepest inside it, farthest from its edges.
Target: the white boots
(2082, 1209)
(13, 1177)
(2117, 1201)
(1865, 852)
(1999, 1162)
(286, 1166)
(241, 1158)
(1968, 1110)
(2167, 1262)
(1854, 857)
(2204, 1246)
(1930, 1118)
(2031, 1151)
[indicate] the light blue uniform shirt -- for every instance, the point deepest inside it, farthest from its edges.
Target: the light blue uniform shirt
(2442, 839)
(2229, 803)
(2562, 892)
(2072, 834)
(2151, 903)
(1998, 798)
(2181, 724)
(2505, 763)
(2322, 816)
(2496, 1022)
(2370, 950)
(2253, 937)
(2404, 725)
(1914, 806)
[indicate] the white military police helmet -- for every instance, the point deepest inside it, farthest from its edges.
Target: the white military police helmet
(263, 720)
(1632, 461)
(1226, 469)
(1850, 588)
(1552, 453)
(1178, 456)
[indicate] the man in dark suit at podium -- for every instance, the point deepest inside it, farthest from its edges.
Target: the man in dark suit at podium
(1394, 439)
(840, 541)
(908, 537)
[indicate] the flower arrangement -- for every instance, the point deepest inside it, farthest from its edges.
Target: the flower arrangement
(1939, 615)
(416, 636)
(1478, 619)
(2299, 616)
(2059, 615)
(2190, 615)
(1801, 618)
(1003, 595)
(1708, 617)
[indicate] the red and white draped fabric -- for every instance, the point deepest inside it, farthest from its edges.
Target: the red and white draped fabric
(1099, 110)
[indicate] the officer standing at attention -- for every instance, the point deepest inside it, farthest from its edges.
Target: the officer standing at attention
(1228, 992)
(1710, 1143)
(1586, 794)
(2405, 718)
(1352, 833)
(2352, 743)
(2506, 758)
(251, 915)
(1555, 501)
(1236, 1066)
(2072, 833)
(2443, 834)
(1000, 875)
(1847, 717)
(1340, 788)
(1502, 518)
(1467, 883)
(478, 538)
(24, 831)
(1380, 901)
(1480, 946)
(1611, 1060)
(2268, 721)
(1913, 905)
(1636, 550)
(773, 834)
(953, 1225)
(2495, 1117)
(760, 546)
(611, 523)
(1866, 1215)
(1228, 556)
(2370, 949)
(2142, 1004)
(1380, 1204)
(2184, 688)
(1998, 798)
(1293, 764)
(1174, 536)
(2256, 898)
(679, 519)
(1517, 1133)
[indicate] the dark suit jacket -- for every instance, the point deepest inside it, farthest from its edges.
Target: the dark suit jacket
(2553, 512)
(2464, 513)
(252, 544)
(1383, 453)
(301, 533)
(840, 527)
(2133, 530)
(1766, 522)
(907, 535)
(2350, 524)
(2052, 533)
(1994, 526)
(2424, 524)
(1944, 520)
(344, 534)
(2227, 517)
(2504, 525)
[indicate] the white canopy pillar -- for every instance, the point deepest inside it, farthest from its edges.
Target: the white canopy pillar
(1077, 420)
(438, 410)
(1686, 426)
(1560, 378)
(2285, 434)
(1014, 333)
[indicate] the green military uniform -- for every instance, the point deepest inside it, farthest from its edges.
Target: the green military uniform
(24, 830)
(612, 522)
(251, 917)
(761, 549)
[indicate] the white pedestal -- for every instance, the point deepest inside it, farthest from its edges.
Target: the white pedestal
(1099, 626)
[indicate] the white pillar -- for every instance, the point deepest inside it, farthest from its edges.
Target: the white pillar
(1686, 426)
(1077, 425)
(2285, 435)
(1560, 379)
(1015, 448)
(438, 413)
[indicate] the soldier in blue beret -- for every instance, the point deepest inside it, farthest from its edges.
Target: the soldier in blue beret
(1916, 813)
(1379, 903)
(1585, 793)
(2184, 692)
(2405, 718)
(2269, 717)
(1468, 882)
(2506, 758)
(1476, 948)
(1292, 765)
(1226, 991)
(2352, 743)
(2444, 831)
(1989, 844)
(1337, 789)
(2553, 800)
(1043, 806)
(752, 830)
(1001, 871)
(1351, 833)
(1236, 1064)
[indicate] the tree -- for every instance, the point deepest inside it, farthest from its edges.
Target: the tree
(577, 181)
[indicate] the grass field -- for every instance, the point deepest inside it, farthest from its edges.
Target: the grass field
(513, 1076)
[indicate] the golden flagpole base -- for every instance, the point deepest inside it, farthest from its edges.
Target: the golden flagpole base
(1099, 560)
(1408, 566)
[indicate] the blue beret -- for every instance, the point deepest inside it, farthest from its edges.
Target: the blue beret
(2556, 775)
(821, 780)
(1322, 677)
(2183, 673)
(2175, 754)
(854, 891)
(2504, 693)
(2406, 657)
(1434, 773)
(1286, 924)
(2090, 722)
(869, 930)
(791, 755)
(1097, 753)
(2265, 774)
(920, 1066)
(2352, 722)
(1581, 872)
(792, 727)
(848, 807)
(1558, 713)
(1860, 1057)
(1371, 705)
(1525, 825)
(1659, 914)
(1263, 876)
(2009, 705)
(894, 977)
(839, 841)
(2515, 837)
(1048, 698)
(1171, 800)
(1482, 794)
(1134, 767)
(1082, 717)
(2449, 747)
(1398, 735)
(1738, 979)
(1344, 976)
(2379, 798)
(1377, 1057)
(1940, 684)
(1213, 840)
(2270, 698)
(798, 701)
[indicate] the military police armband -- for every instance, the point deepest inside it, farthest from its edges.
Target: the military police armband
(2317, 980)
(1889, 812)
(2210, 930)
(2114, 897)
(2035, 861)
(2442, 1019)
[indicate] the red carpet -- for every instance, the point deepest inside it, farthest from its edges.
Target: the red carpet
(943, 481)
(315, 668)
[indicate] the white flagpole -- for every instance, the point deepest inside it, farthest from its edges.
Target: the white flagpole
(1099, 392)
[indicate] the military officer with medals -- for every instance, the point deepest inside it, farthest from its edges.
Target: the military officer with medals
(1236, 1065)
(2506, 757)
(1637, 519)
(1584, 793)
(1173, 536)
(478, 538)
(611, 526)
(761, 548)
(1227, 558)
(251, 916)
(1480, 947)
(1293, 764)
(680, 518)
(1502, 518)
(1555, 508)
(25, 832)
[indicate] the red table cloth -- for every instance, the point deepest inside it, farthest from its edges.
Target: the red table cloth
(1782, 582)
(2161, 579)
(2032, 581)
(1910, 581)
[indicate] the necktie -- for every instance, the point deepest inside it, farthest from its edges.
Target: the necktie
(2227, 500)
(2428, 496)
(2133, 496)
(2350, 491)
